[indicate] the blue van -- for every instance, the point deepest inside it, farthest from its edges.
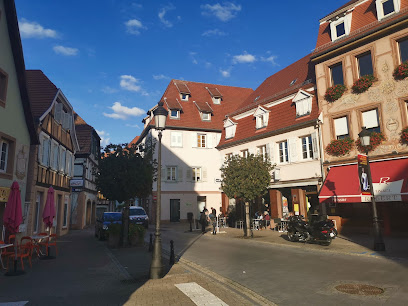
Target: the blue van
(103, 221)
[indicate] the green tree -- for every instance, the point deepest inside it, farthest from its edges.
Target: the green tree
(126, 172)
(246, 178)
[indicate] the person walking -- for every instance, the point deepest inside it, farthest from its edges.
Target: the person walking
(213, 219)
(204, 220)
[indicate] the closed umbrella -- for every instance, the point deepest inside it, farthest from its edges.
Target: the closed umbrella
(49, 215)
(12, 219)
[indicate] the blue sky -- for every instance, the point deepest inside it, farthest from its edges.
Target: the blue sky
(113, 59)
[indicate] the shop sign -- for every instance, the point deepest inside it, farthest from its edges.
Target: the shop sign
(4, 194)
(76, 183)
(363, 174)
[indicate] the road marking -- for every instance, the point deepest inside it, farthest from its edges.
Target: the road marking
(199, 295)
(19, 303)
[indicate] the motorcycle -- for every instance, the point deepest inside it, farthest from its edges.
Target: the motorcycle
(322, 232)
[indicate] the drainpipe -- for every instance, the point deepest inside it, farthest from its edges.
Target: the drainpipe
(319, 122)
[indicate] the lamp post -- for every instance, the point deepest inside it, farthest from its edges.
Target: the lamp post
(378, 240)
(156, 266)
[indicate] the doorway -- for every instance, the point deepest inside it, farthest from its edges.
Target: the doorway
(201, 204)
(175, 210)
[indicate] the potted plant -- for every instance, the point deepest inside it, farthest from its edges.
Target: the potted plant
(404, 136)
(136, 234)
(335, 92)
(363, 83)
(114, 231)
(375, 140)
(401, 72)
(340, 147)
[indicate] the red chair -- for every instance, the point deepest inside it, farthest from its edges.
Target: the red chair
(23, 252)
(50, 241)
(9, 251)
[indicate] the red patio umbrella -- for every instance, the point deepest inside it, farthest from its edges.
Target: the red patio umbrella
(12, 219)
(49, 209)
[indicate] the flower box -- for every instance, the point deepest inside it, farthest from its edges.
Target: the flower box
(404, 136)
(335, 92)
(401, 72)
(340, 147)
(363, 83)
(375, 140)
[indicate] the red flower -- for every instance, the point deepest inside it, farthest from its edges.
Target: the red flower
(375, 140)
(335, 92)
(339, 147)
(401, 72)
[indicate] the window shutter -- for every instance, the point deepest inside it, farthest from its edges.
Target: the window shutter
(272, 152)
(370, 119)
(252, 151)
(40, 149)
(292, 146)
(180, 139)
(315, 146)
(204, 174)
(209, 139)
(58, 112)
(179, 174)
(188, 175)
(194, 140)
(341, 126)
(163, 174)
(268, 151)
(72, 166)
(46, 152)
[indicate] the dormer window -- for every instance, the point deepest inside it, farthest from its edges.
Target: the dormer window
(303, 102)
(174, 114)
(184, 97)
(340, 27)
(216, 100)
(215, 94)
(386, 8)
(261, 116)
(230, 128)
(206, 116)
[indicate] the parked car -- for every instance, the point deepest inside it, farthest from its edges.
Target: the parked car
(138, 215)
(103, 221)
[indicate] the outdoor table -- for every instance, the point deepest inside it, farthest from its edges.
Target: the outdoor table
(239, 224)
(257, 224)
(283, 226)
(36, 240)
(3, 246)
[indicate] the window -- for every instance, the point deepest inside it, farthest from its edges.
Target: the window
(260, 122)
(387, 7)
(206, 116)
(283, 152)
(176, 139)
(262, 151)
(230, 132)
(336, 72)
(201, 140)
(62, 160)
(3, 87)
(307, 147)
(340, 30)
(303, 102)
(45, 158)
(228, 156)
(174, 113)
(171, 174)
(365, 64)
(65, 219)
(184, 97)
(403, 49)
(261, 116)
(197, 174)
(37, 210)
(341, 127)
(370, 121)
(69, 164)
(340, 27)
(55, 155)
(245, 153)
(216, 100)
(3, 156)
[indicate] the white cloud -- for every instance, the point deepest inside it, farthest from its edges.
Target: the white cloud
(132, 125)
(35, 30)
(244, 58)
(130, 83)
(214, 32)
(67, 51)
(161, 77)
(162, 14)
(124, 112)
(223, 12)
(225, 73)
(105, 139)
(271, 59)
(133, 26)
(109, 90)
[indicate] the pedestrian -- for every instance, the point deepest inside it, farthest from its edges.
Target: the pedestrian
(267, 220)
(213, 211)
(213, 219)
(203, 220)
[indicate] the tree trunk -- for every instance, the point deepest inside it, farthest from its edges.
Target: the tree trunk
(125, 224)
(247, 226)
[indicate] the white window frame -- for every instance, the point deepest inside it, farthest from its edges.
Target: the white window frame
(284, 157)
(206, 116)
(230, 128)
(172, 170)
(303, 102)
(380, 8)
(62, 161)
(228, 156)
(194, 176)
(176, 139)
(68, 165)
(309, 147)
(347, 26)
(216, 100)
(184, 97)
(338, 133)
(365, 118)
(55, 159)
(45, 159)
(5, 157)
(200, 138)
(261, 116)
(261, 150)
(245, 153)
(177, 116)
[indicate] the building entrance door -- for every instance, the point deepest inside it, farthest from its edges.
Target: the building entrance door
(175, 210)
(201, 203)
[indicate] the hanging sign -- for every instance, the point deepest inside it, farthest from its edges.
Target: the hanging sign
(4, 194)
(363, 174)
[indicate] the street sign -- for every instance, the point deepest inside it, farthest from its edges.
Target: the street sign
(154, 198)
(76, 183)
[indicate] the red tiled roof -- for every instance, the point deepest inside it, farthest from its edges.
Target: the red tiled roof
(182, 87)
(173, 104)
(343, 6)
(203, 107)
(41, 92)
(279, 84)
(78, 120)
(214, 92)
(282, 115)
(364, 20)
(134, 140)
(190, 117)
(84, 136)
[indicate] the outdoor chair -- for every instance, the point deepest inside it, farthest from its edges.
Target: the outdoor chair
(50, 241)
(22, 252)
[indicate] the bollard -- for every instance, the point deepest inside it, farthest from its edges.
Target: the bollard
(171, 252)
(151, 243)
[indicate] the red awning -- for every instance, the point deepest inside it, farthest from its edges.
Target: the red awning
(390, 180)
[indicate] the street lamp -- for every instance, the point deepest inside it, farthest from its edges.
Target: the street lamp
(378, 240)
(156, 266)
